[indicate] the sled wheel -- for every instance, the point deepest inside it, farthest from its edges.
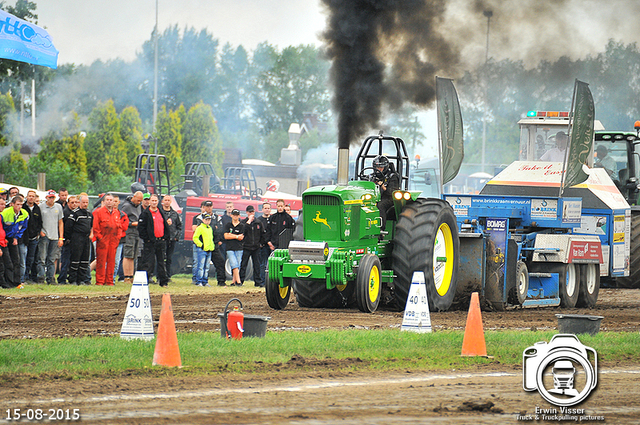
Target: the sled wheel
(522, 283)
(426, 239)
(277, 296)
(368, 283)
(569, 285)
(589, 285)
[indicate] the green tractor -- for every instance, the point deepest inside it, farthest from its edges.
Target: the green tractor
(346, 259)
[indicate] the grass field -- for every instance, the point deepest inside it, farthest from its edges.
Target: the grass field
(209, 353)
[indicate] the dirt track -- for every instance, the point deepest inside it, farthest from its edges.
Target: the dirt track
(311, 391)
(60, 316)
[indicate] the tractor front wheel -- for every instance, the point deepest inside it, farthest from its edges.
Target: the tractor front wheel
(368, 286)
(426, 239)
(277, 296)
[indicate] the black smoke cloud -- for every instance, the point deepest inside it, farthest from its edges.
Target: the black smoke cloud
(383, 52)
(386, 53)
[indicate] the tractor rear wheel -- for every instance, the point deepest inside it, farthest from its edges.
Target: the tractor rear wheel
(569, 285)
(426, 239)
(633, 280)
(277, 296)
(313, 293)
(589, 285)
(368, 285)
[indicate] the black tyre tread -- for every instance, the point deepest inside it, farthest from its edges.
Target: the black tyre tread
(313, 293)
(633, 280)
(586, 299)
(362, 283)
(413, 244)
(515, 297)
(566, 300)
(272, 291)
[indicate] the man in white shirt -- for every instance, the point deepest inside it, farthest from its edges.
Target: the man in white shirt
(557, 154)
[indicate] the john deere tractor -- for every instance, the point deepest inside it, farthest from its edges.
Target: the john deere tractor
(346, 259)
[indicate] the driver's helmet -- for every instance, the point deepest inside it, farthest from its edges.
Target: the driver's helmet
(273, 185)
(138, 187)
(381, 161)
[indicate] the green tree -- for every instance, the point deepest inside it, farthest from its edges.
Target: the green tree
(131, 134)
(63, 158)
(404, 124)
(200, 137)
(169, 137)
(106, 151)
(188, 66)
(13, 166)
(295, 84)
(231, 91)
(274, 142)
(7, 120)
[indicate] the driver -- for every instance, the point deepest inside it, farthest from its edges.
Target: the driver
(388, 181)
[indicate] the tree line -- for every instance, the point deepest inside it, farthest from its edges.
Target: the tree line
(94, 118)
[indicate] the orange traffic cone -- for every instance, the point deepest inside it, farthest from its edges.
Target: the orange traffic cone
(167, 352)
(473, 343)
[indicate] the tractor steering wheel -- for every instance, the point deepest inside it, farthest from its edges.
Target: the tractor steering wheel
(375, 175)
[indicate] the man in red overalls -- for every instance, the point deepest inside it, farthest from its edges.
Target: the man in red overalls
(106, 234)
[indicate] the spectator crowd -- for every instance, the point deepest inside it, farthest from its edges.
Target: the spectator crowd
(62, 236)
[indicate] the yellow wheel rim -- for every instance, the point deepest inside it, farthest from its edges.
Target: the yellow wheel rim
(284, 290)
(443, 259)
(374, 284)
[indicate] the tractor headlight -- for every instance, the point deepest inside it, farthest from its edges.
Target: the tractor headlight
(366, 197)
(398, 195)
(406, 196)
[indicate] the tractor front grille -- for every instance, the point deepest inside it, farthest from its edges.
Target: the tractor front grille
(320, 200)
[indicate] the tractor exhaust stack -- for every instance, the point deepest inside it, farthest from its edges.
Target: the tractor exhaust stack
(343, 167)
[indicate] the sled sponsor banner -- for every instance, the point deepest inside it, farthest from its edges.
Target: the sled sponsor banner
(585, 251)
(416, 313)
(138, 320)
(449, 129)
(460, 204)
(581, 135)
(571, 211)
(542, 209)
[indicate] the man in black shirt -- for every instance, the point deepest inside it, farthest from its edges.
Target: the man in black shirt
(31, 236)
(278, 223)
(254, 233)
(388, 181)
(234, 234)
(175, 230)
(265, 251)
(78, 228)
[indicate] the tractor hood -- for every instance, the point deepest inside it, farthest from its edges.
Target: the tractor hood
(542, 179)
(352, 193)
(341, 213)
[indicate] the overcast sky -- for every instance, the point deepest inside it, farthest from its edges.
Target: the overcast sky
(86, 30)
